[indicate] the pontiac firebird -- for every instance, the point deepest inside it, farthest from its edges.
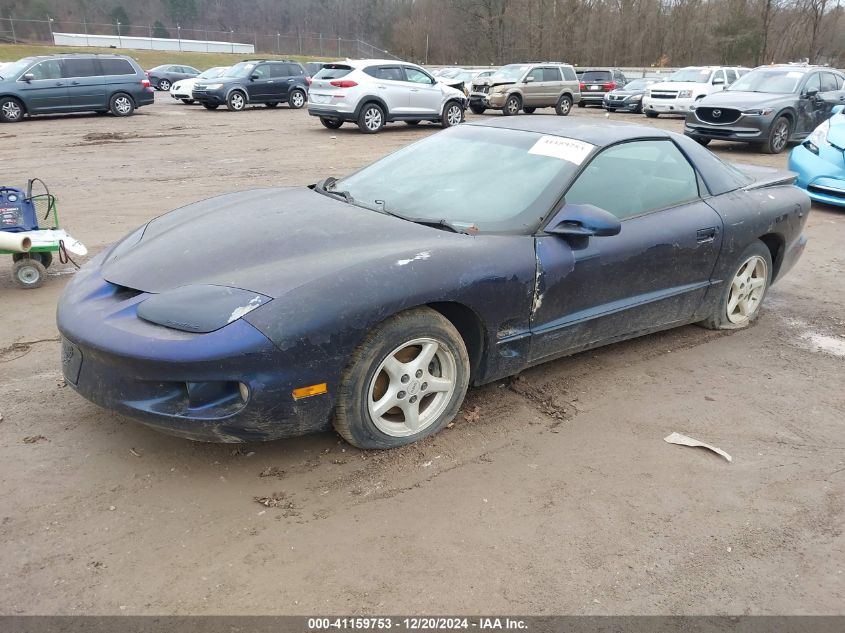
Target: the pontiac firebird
(374, 301)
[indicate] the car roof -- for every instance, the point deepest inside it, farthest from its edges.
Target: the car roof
(805, 68)
(599, 133)
(363, 63)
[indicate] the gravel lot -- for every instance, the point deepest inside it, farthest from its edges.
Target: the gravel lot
(553, 493)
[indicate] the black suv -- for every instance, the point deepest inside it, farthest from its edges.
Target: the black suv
(597, 82)
(255, 81)
(52, 84)
(768, 107)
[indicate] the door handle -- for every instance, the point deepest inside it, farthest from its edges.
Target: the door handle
(269, 81)
(59, 83)
(415, 89)
(74, 83)
(382, 87)
(290, 81)
(706, 235)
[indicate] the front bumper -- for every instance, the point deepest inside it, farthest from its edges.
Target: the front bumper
(822, 176)
(626, 105)
(177, 382)
(213, 97)
(746, 129)
(668, 106)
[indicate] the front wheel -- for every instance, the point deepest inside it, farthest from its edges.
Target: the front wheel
(371, 118)
(332, 124)
(28, 273)
(188, 101)
(744, 290)
(405, 382)
(210, 106)
(121, 105)
(236, 101)
(477, 109)
(529, 110)
(563, 105)
(272, 104)
(651, 115)
(452, 115)
(11, 110)
(778, 136)
(297, 99)
(512, 106)
(164, 85)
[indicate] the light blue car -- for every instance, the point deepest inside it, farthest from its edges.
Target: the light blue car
(820, 160)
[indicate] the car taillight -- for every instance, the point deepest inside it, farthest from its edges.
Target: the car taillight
(308, 80)
(610, 86)
(343, 83)
(582, 86)
(145, 83)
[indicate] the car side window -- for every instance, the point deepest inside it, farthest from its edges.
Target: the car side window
(79, 68)
(718, 75)
(277, 70)
(551, 74)
(535, 75)
(417, 76)
(262, 70)
(294, 70)
(116, 67)
(388, 73)
(731, 75)
(50, 69)
(813, 85)
(630, 179)
(569, 74)
(828, 82)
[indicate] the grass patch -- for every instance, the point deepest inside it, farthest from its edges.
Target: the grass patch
(147, 59)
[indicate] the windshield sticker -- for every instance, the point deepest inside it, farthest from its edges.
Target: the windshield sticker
(567, 149)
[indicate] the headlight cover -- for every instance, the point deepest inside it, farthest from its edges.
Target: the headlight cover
(684, 94)
(199, 308)
(818, 138)
(636, 97)
(758, 111)
(213, 86)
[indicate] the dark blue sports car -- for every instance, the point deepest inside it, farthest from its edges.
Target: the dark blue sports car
(372, 302)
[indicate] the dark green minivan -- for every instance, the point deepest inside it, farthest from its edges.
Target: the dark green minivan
(55, 84)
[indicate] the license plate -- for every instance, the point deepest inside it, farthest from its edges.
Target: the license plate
(319, 98)
(71, 361)
(595, 87)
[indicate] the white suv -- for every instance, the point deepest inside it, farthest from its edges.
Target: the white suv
(679, 93)
(372, 92)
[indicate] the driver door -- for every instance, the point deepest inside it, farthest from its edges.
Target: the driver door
(651, 275)
(425, 96)
(47, 91)
(259, 84)
(807, 105)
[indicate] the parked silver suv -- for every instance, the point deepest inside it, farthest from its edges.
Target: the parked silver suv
(372, 92)
(527, 87)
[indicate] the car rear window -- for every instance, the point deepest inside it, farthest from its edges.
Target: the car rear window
(596, 75)
(333, 71)
(116, 67)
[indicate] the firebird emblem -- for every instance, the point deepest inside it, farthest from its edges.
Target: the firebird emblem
(717, 114)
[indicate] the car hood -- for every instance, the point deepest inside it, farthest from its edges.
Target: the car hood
(836, 133)
(267, 241)
(742, 100)
(621, 92)
(187, 83)
(679, 85)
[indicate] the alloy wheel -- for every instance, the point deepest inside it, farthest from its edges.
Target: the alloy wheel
(123, 105)
(237, 101)
(780, 134)
(372, 119)
(12, 111)
(747, 289)
(454, 114)
(412, 387)
(298, 99)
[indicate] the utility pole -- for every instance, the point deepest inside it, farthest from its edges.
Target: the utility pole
(50, 23)
(179, 36)
(119, 42)
(321, 44)
(278, 47)
(426, 48)
(12, 24)
(231, 41)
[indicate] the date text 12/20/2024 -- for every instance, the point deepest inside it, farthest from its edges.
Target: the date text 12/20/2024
(416, 624)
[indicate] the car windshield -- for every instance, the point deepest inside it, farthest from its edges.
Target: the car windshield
(693, 75)
(211, 73)
(240, 70)
(638, 84)
(511, 72)
(496, 180)
(772, 80)
(13, 68)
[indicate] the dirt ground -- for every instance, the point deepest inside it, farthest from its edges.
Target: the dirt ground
(552, 494)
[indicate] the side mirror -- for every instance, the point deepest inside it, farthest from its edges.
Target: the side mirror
(28, 77)
(718, 81)
(254, 76)
(809, 94)
(584, 220)
(528, 80)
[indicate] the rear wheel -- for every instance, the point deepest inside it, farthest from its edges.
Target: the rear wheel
(651, 115)
(188, 101)
(744, 291)
(453, 114)
(332, 124)
(297, 99)
(11, 110)
(163, 84)
(210, 106)
(703, 141)
(477, 109)
(405, 382)
(121, 104)
(236, 101)
(272, 104)
(563, 105)
(529, 110)
(611, 109)
(371, 118)
(582, 104)
(512, 106)
(28, 273)
(778, 136)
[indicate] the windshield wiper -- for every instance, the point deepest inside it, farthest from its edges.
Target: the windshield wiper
(323, 188)
(459, 227)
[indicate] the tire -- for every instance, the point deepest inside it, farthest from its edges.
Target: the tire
(371, 118)
(778, 137)
(272, 104)
(11, 110)
(651, 115)
(412, 123)
(512, 106)
(529, 110)
(362, 421)
(46, 258)
(564, 105)
(743, 286)
(210, 106)
(188, 101)
(582, 104)
(703, 141)
(452, 115)
(121, 105)
(297, 99)
(28, 273)
(163, 85)
(611, 109)
(477, 109)
(332, 124)
(236, 101)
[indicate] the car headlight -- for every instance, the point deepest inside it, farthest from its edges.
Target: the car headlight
(636, 97)
(199, 308)
(648, 93)
(818, 138)
(214, 86)
(758, 111)
(499, 89)
(684, 94)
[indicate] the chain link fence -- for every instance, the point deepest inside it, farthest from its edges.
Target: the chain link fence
(19, 31)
